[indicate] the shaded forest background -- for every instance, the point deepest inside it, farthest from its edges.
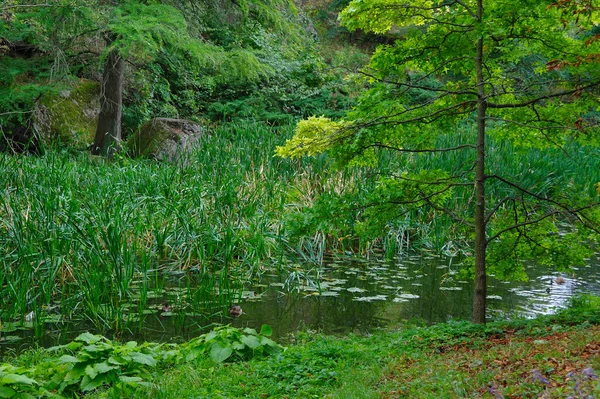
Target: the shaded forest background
(210, 62)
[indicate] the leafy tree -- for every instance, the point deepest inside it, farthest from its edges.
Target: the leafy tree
(208, 39)
(492, 70)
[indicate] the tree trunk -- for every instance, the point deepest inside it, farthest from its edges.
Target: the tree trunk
(479, 296)
(108, 131)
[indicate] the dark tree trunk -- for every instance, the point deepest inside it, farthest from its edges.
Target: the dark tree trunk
(479, 296)
(108, 132)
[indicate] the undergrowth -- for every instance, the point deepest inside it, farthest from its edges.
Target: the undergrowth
(551, 357)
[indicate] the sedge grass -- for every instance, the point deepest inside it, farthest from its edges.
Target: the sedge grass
(76, 231)
(86, 237)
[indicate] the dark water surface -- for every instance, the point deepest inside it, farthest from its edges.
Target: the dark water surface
(341, 297)
(361, 295)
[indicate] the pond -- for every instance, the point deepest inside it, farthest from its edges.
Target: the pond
(339, 297)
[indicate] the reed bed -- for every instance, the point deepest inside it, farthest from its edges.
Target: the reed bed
(84, 237)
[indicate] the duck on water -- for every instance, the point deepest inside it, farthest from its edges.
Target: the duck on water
(235, 311)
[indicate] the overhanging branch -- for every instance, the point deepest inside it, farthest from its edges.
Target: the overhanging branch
(541, 98)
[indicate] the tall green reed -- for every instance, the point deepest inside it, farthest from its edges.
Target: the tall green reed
(85, 237)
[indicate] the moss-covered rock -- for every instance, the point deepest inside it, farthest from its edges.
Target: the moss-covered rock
(165, 139)
(69, 117)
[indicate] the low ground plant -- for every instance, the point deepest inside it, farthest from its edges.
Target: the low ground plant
(93, 361)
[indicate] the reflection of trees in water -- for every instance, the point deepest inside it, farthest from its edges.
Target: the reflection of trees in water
(290, 312)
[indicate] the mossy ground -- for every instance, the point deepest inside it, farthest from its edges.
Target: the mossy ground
(543, 358)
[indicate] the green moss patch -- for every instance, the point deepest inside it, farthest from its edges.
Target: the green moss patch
(70, 117)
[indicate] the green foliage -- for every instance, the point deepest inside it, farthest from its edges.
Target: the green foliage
(415, 125)
(230, 344)
(312, 136)
(584, 303)
(212, 60)
(15, 383)
(19, 89)
(92, 361)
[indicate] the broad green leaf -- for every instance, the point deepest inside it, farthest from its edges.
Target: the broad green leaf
(143, 358)
(251, 341)
(115, 360)
(266, 330)
(236, 345)
(194, 353)
(68, 359)
(90, 371)
(89, 338)
(7, 392)
(88, 384)
(74, 375)
(98, 347)
(220, 353)
(17, 379)
(210, 336)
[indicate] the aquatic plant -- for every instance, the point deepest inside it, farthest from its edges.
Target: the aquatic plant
(86, 237)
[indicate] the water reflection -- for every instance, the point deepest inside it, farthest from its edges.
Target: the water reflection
(361, 295)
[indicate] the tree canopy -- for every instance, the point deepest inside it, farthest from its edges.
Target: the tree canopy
(474, 72)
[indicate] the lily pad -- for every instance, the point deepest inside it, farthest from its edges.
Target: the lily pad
(370, 298)
(355, 289)
(408, 296)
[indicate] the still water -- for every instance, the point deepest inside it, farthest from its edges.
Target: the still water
(339, 297)
(361, 295)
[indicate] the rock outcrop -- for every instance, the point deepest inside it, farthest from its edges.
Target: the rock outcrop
(165, 139)
(69, 118)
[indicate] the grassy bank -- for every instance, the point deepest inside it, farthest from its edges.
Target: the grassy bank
(545, 358)
(549, 357)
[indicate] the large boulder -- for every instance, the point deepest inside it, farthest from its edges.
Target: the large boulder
(165, 139)
(69, 117)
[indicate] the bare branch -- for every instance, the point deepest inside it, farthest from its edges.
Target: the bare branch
(522, 224)
(451, 214)
(496, 207)
(415, 151)
(466, 7)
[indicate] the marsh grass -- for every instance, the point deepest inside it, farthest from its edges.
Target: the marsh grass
(88, 238)
(85, 237)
